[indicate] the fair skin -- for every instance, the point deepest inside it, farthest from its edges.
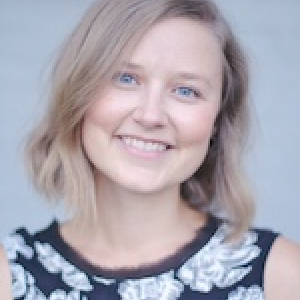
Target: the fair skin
(282, 272)
(152, 126)
(5, 278)
(145, 134)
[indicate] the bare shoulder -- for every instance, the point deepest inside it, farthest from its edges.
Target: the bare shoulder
(282, 275)
(5, 278)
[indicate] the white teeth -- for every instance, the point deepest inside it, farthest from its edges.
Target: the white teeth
(142, 145)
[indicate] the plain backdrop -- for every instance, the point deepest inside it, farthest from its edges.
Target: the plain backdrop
(31, 32)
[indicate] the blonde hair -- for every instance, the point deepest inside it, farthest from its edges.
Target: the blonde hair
(107, 33)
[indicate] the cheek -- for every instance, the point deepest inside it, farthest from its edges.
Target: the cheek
(107, 111)
(92, 139)
(196, 126)
(195, 133)
(98, 126)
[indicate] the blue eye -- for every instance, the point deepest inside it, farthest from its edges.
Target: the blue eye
(126, 79)
(187, 92)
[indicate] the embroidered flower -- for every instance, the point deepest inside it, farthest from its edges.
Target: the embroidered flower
(23, 284)
(55, 263)
(15, 244)
(218, 263)
(62, 295)
(104, 281)
(163, 287)
(34, 294)
(18, 280)
(252, 293)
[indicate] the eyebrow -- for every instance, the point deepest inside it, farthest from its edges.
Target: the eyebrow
(194, 77)
(129, 65)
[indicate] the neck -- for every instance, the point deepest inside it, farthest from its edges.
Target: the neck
(126, 217)
(133, 225)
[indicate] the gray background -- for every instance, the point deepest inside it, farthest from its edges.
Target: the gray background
(30, 34)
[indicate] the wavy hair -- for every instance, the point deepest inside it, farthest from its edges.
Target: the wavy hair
(106, 34)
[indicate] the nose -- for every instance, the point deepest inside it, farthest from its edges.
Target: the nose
(150, 111)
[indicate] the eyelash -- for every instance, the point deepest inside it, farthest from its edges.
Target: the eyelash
(118, 79)
(192, 93)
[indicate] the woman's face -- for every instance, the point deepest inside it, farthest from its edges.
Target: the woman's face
(150, 129)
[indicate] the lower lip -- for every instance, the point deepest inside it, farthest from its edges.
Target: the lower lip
(142, 153)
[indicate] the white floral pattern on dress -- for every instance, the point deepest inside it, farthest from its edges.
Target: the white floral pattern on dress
(33, 293)
(15, 244)
(219, 263)
(162, 287)
(53, 262)
(24, 285)
(62, 295)
(252, 293)
(19, 280)
(104, 281)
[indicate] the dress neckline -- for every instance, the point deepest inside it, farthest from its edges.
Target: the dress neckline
(175, 261)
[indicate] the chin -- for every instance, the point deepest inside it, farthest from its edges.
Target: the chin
(146, 187)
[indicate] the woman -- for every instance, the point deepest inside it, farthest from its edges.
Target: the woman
(142, 141)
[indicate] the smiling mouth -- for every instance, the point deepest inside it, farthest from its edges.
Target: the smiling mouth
(145, 145)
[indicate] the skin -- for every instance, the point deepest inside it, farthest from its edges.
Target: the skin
(282, 272)
(168, 93)
(169, 98)
(5, 278)
(154, 100)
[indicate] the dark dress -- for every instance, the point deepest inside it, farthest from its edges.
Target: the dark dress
(43, 267)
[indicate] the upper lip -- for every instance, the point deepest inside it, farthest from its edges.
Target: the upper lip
(148, 139)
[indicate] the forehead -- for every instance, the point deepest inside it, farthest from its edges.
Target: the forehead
(181, 43)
